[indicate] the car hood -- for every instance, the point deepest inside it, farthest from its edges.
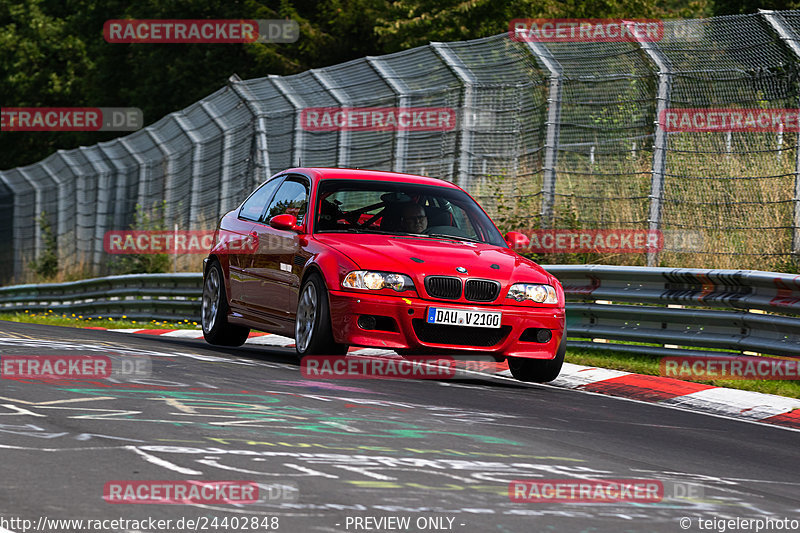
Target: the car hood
(422, 256)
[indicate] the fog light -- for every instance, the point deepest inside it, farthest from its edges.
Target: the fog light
(540, 335)
(544, 335)
(367, 322)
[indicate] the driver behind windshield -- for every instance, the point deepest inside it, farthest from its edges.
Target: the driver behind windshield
(413, 218)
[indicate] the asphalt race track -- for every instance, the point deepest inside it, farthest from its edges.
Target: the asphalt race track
(361, 455)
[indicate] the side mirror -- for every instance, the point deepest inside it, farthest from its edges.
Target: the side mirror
(517, 240)
(285, 222)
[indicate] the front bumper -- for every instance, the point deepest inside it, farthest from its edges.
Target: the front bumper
(410, 332)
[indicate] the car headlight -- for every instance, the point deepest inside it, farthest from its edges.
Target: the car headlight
(374, 280)
(542, 294)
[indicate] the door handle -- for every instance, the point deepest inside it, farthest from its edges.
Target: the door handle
(251, 243)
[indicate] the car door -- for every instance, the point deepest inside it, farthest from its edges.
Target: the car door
(242, 241)
(273, 265)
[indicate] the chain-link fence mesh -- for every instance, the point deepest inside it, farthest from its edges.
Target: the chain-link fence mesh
(547, 135)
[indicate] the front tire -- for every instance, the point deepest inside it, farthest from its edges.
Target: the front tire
(216, 328)
(312, 328)
(539, 370)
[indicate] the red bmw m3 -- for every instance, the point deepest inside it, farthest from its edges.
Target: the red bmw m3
(337, 258)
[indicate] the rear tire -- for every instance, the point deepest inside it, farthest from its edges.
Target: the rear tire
(216, 328)
(312, 328)
(538, 370)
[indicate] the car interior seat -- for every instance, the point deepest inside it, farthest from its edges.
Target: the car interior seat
(328, 216)
(438, 216)
(390, 221)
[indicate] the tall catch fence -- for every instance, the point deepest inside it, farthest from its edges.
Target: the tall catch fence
(566, 135)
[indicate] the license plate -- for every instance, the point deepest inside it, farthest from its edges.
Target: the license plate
(464, 317)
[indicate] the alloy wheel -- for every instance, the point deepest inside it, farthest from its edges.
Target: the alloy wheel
(306, 316)
(211, 297)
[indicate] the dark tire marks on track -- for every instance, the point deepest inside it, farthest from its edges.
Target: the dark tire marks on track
(358, 448)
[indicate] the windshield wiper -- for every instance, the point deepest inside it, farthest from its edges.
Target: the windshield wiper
(452, 237)
(403, 234)
(359, 230)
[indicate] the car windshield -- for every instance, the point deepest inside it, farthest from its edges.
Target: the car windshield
(402, 209)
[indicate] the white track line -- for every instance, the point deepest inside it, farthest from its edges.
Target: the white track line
(733, 404)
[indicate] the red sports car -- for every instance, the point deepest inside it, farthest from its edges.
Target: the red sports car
(337, 257)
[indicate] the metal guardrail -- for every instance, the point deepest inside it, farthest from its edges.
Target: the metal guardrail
(136, 296)
(660, 311)
(668, 309)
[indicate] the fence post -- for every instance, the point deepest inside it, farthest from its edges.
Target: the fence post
(168, 164)
(401, 91)
(299, 139)
(79, 178)
(227, 151)
(197, 165)
(61, 213)
(468, 82)
(15, 242)
(343, 154)
(104, 204)
(142, 168)
(790, 39)
(37, 210)
(556, 73)
(236, 85)
(119, 179)
(660, 142)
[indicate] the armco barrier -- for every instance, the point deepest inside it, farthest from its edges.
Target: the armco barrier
(669, 310)
(731, 311)
(137, 296)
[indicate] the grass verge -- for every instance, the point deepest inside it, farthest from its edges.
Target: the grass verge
(79, 321)
(649, 364)
(625, 361)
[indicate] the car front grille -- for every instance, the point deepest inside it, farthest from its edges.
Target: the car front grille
(446, 287)
(481, 290)
(458, 335)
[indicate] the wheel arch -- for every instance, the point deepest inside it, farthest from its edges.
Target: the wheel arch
(209, 260)
(331, 265)
(215, 258)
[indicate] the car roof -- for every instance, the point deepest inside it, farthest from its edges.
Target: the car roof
(320, 173)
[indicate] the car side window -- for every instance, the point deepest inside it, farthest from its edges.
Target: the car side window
(291, 198)
(463, 221)
(253, 207)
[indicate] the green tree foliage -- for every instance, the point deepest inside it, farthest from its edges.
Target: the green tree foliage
(145, 220)
(410, 23)
(46, 265)
(736, 7)
(52, 52)
(43, 63)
